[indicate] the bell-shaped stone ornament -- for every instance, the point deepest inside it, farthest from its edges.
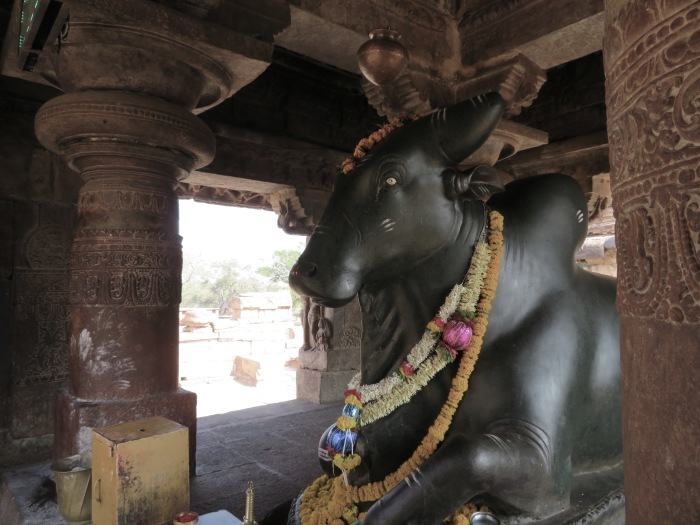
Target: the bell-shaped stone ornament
(382, 59)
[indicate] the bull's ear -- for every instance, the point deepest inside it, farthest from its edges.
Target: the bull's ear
(480, 182)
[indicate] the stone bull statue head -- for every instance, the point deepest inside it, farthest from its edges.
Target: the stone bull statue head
(405, 196)
(537, 436)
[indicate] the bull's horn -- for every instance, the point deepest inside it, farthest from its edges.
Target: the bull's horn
(459, 130)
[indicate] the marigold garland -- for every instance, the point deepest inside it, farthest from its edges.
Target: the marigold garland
(428, 357)
(365, 145)
(330, 501)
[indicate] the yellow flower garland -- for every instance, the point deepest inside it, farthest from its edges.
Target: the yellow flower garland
(330, 501)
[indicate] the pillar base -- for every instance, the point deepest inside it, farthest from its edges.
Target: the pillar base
(323, 387)
(75, 418)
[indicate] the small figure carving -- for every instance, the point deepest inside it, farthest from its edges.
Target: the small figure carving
(323, 335)
(314, 315)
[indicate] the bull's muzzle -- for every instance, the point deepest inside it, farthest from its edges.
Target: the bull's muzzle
(308, 279)
(302, 270)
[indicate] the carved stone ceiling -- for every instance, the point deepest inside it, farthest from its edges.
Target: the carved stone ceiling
(450, 42)
(289, 128)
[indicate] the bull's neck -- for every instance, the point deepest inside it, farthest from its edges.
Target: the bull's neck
(395, 312)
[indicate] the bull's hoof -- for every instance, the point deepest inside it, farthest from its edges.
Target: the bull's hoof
(596, 499)
(280, 515)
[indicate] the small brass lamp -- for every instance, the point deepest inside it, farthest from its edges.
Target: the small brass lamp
(249, 518)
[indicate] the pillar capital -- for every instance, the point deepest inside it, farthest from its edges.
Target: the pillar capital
(149, 48)
(95, 129)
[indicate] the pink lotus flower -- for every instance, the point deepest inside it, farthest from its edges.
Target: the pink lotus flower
(457, 335)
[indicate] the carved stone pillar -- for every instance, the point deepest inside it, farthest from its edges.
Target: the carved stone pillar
(330, 355)
(135, 72)
(652, 61)
(126, 257)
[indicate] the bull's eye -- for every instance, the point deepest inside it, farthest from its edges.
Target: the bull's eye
(391, 175)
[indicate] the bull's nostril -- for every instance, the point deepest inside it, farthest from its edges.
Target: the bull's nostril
(312, 270)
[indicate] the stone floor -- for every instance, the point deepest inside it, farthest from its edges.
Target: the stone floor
(273, 445)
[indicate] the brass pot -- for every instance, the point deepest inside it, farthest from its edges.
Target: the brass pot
(382, 59)
(73, 489)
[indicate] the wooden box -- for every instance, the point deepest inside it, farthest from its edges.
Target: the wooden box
(140, 472)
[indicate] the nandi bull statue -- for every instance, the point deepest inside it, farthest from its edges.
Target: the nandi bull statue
(490, 362)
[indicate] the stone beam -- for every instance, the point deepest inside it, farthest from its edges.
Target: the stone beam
(548, 32)
(252, 169)
(580, 158)
(310, 35)
(212, 194)
(272, 162)
(331, 30)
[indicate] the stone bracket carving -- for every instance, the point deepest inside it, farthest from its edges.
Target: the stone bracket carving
(401, 96)
(299, 209)
(516, 78)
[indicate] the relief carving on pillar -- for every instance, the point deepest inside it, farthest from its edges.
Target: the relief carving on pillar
(125, 267)
(317, 325)
(350, 337)
(133, 199)
(653, 93)
(41, 308)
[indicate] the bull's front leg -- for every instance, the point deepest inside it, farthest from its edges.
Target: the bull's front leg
(511, 463)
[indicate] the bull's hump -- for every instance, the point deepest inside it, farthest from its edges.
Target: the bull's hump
(546, 217)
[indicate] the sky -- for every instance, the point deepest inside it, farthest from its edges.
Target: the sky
(229, 232)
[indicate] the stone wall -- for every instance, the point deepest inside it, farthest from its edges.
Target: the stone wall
(37, 214)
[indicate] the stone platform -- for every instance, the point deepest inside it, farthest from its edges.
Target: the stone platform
(273, 445)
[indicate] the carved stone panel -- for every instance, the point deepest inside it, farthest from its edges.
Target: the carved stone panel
(40, 311)
(655, 154)
(652, 59)
(125, 267)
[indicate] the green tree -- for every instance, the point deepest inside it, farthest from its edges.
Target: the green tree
(282, 262)
(278, 273)
(214, 284)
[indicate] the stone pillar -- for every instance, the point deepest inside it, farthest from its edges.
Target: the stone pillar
(652, 61)
(331, 352)
(135, 72)
(126, 257)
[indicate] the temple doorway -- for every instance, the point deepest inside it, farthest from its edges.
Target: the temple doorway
(240, 328)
